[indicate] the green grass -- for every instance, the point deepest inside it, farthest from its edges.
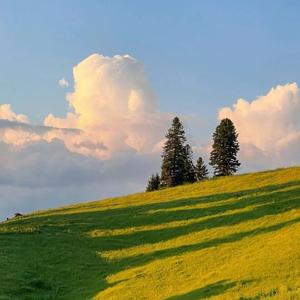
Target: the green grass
(228, 238)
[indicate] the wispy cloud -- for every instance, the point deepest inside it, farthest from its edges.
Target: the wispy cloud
(63, 82)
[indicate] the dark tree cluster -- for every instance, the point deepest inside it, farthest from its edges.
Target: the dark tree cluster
(153, 183)
(177, 158)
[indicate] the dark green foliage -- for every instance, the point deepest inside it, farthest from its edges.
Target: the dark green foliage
(173, 169)
(190, 173)
(153, 183)
(201, 170)
(225, 148)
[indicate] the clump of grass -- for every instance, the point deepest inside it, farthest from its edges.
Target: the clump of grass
(271, 293)
(20, 229)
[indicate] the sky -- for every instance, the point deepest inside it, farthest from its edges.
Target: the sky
(88, 89)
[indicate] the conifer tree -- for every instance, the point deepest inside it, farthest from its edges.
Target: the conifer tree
(153, 183)
(225, 148)
(190, 174)
(173, 169)
(201, 170)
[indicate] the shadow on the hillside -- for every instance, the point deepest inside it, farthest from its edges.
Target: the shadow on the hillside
(262, 206)
(93, 270)
(207, 291)
(160, 254)
(117, 218)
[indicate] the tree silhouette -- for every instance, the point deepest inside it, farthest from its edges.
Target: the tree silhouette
(201, 170)
(225, 148)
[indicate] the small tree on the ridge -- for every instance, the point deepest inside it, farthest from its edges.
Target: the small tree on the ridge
(190, 174)
(173, 169)
(201, 170)
(225, 148)
(153, 183)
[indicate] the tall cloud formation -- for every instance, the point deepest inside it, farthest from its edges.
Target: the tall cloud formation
(268, 127)
(114, 107)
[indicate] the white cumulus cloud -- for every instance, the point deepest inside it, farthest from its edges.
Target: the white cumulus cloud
(268, 127)
(6, 113)
(114, 106)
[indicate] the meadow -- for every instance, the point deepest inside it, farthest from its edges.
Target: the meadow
(235, 237)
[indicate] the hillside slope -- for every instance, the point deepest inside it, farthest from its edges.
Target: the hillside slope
(228, 238)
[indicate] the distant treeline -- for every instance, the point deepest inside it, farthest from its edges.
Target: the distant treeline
(177, 158)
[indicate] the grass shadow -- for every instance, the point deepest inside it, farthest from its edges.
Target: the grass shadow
(207, 291)
(142, 259)
(265, 205)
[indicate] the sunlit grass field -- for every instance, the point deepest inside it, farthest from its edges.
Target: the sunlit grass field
(227, 238)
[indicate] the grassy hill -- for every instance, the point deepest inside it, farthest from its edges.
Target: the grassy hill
(228, 238)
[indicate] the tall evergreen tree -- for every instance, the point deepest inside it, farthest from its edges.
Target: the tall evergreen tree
(190, 174)
(173, 169)
(201, 170)
(225, 148)
(153, 183)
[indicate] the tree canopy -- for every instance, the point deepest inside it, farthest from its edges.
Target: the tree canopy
(153, 183)
(176, 157)
(201, 170)
(223, 157)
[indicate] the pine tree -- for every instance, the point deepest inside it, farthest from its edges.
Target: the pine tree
(201, 170)
(153, 183)
(225, 148)
(190, 174)
(173, 169)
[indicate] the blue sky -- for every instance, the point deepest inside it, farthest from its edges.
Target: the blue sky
(199, 55)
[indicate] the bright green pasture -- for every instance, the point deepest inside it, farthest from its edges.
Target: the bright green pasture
(227, 238)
